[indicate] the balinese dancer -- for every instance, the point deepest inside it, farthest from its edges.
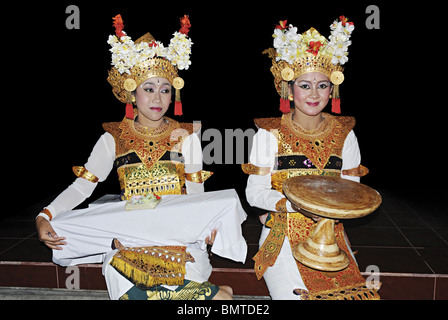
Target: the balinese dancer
(147, 254)
(307, 71)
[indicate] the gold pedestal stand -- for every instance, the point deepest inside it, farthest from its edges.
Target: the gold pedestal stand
(331, 198)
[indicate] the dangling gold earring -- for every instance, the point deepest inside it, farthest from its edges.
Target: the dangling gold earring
(330, 96)
(290, 97)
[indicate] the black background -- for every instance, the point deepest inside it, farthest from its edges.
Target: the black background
(57, 95)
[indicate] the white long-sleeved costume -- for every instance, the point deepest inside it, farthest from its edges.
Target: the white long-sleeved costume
(101, 162)
(171, 155)
(281, 150)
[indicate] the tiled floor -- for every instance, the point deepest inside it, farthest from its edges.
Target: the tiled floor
(406, 239)
(407, 234)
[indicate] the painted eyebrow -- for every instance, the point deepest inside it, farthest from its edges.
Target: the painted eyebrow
(317, 82)
(152, 83)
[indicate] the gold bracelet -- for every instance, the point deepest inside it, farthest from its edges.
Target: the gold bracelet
(249, 168)
(359, 171)
(199, 176)
(82, 172)
(280, 206)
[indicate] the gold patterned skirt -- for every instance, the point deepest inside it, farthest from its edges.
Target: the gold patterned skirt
(149, 268)
(347, 284)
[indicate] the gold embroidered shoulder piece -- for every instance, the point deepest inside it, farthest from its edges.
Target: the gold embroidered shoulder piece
(190, 127)
(111, 127)
(179, 134)
(114, 129)
(268, 123)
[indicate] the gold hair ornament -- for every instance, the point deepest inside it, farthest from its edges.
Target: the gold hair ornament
(296, 54)
(135, 62)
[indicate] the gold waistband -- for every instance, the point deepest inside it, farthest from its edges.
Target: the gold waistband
(165, 177)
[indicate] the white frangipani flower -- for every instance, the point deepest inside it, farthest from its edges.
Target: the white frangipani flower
(126, 54)
(290, 45)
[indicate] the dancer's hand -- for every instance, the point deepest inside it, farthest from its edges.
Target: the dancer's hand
(47, 234)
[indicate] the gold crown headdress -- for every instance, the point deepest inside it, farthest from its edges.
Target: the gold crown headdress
(135, 62)
(296, 54)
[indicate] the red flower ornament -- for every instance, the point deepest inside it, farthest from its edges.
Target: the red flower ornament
(282, 25)
(344, 21)
(185, 25)
(119, 26)
(314, 47)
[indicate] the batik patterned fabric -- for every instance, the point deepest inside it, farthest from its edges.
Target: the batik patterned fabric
(190, 290)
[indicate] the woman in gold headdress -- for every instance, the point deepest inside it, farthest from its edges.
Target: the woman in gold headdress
(307, 71)
(152, 154)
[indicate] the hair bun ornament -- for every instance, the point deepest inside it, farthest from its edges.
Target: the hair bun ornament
(296, 53)
(136, 61)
